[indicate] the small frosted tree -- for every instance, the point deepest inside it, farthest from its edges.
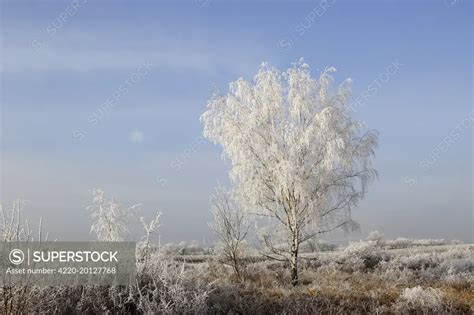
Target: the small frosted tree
(296, 153)
(231, 228)
(109, 219)
(150, 229)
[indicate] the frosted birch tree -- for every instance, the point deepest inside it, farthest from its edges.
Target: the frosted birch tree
(109, 219)
(296, 153)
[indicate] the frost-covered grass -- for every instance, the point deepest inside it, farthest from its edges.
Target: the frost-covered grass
(423, 277)
(359, 278)
(363, 277)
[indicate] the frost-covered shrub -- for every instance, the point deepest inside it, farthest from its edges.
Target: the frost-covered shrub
(95, 299)
(393, 273)
(429, 242)
(457, 265)
(168, 288)
(360, 256)
(400, 242)
(377, 237)
(453, 266)
(457, 272)
(184, 248)
(416, 261)
(462, 279)
(458, 252)
(418, 298)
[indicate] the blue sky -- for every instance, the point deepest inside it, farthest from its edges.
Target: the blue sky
(60, 64)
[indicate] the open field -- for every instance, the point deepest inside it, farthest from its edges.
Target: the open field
(360, 278)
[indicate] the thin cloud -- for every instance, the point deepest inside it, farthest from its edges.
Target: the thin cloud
(164, 52)
(137, 136)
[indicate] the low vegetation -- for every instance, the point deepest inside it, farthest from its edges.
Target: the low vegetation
(423, 277)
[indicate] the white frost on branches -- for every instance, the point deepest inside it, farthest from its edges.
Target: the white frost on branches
(109, 219)
(231, 228)
(296, 153)
(150, 228)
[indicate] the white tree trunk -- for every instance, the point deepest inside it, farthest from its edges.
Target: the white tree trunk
(294, 258)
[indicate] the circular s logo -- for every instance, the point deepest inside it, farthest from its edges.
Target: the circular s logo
(16, 256)
(285, 44)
